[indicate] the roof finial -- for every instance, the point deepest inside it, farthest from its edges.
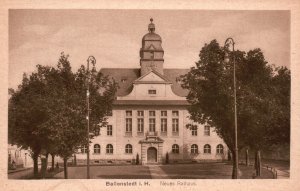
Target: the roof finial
(151, 26)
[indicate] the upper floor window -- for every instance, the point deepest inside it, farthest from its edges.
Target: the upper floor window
(128, 113)
(128, 124)
(128, 149)
(220, 149)
(207, 130)
(97, 131)
(152, 113)
(175, 148)
(152, 92)
(163, 114)
(194, 129)
(97, 149)
(194, 149)
(109, 149)
(163, 124)
(207, 149)
(175, 125)
(175, 113)
(84, 149)
(140, 113)
(109, 130)
(152, 124)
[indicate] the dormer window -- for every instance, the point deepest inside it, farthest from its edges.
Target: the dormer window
(123, 80)
(152, 92)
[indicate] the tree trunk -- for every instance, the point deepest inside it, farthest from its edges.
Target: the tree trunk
(35, 165)
(52, 165)
(247, 157)
(65, 168)
(258, 163)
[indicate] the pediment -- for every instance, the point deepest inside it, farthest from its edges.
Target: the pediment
(152, 76)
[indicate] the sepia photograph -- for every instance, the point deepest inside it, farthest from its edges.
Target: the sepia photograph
(136, 98)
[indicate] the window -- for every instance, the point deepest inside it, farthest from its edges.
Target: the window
(140, 125)
(109, 130)
(97, 149)
(140, 113)
(152, 113)
(84, 149)
(175, 149)
(128, 149)
(163, 124)
(194, 130)
(140, 121)
(207, 149)
(194, 149)
(175, 125)
(163, 113)
(220, 149)
(128, 113)
(109, 149)
(97, 131)
(152, 92)
(207, 130)
(175, 113)
(152, 124)
(128, 124)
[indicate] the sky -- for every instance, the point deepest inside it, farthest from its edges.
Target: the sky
(114, 37)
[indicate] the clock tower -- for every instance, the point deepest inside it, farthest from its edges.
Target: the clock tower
(151, 53)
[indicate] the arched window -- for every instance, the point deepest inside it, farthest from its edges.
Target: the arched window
(194, 149)
(84, 149)
(207, 149)
(128, 149)
(109, 149)
(220, 149)
(175, 149)
(97, 149)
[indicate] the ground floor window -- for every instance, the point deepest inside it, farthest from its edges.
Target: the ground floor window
(175, 149)
(97, 149)
(220, 149)
(128, 149)
(207, 149)
(84, 149)
(109, 149)
(194, 149)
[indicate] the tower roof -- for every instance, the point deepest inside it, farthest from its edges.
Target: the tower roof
(151, 35)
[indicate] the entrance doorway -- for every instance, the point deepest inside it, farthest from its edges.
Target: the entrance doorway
(152, 155)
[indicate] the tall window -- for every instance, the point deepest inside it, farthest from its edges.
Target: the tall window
(207, 149)
(128, 122)
(84, 149)
(194, 130)
(140, 121)
(175, 123)
(163, 123)
(128, 149)
(152, 121)
(175, 149)
(97, 149)
(194, 149)
(109, 149)
(109, 130)
(207, 130)
(97, 131)
(220, 149)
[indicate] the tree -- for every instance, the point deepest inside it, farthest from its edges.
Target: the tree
(49, 109)
(211, 96)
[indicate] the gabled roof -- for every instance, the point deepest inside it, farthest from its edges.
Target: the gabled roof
(126, 76)
(165, 80)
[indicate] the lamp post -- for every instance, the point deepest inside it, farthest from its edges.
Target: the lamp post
(236, 163)
(93, 61)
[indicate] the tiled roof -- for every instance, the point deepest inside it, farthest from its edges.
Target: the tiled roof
(126, 76)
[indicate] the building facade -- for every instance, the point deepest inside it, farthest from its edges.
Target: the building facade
(149, 117)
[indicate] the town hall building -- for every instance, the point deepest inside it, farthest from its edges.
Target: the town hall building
(150, 117)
